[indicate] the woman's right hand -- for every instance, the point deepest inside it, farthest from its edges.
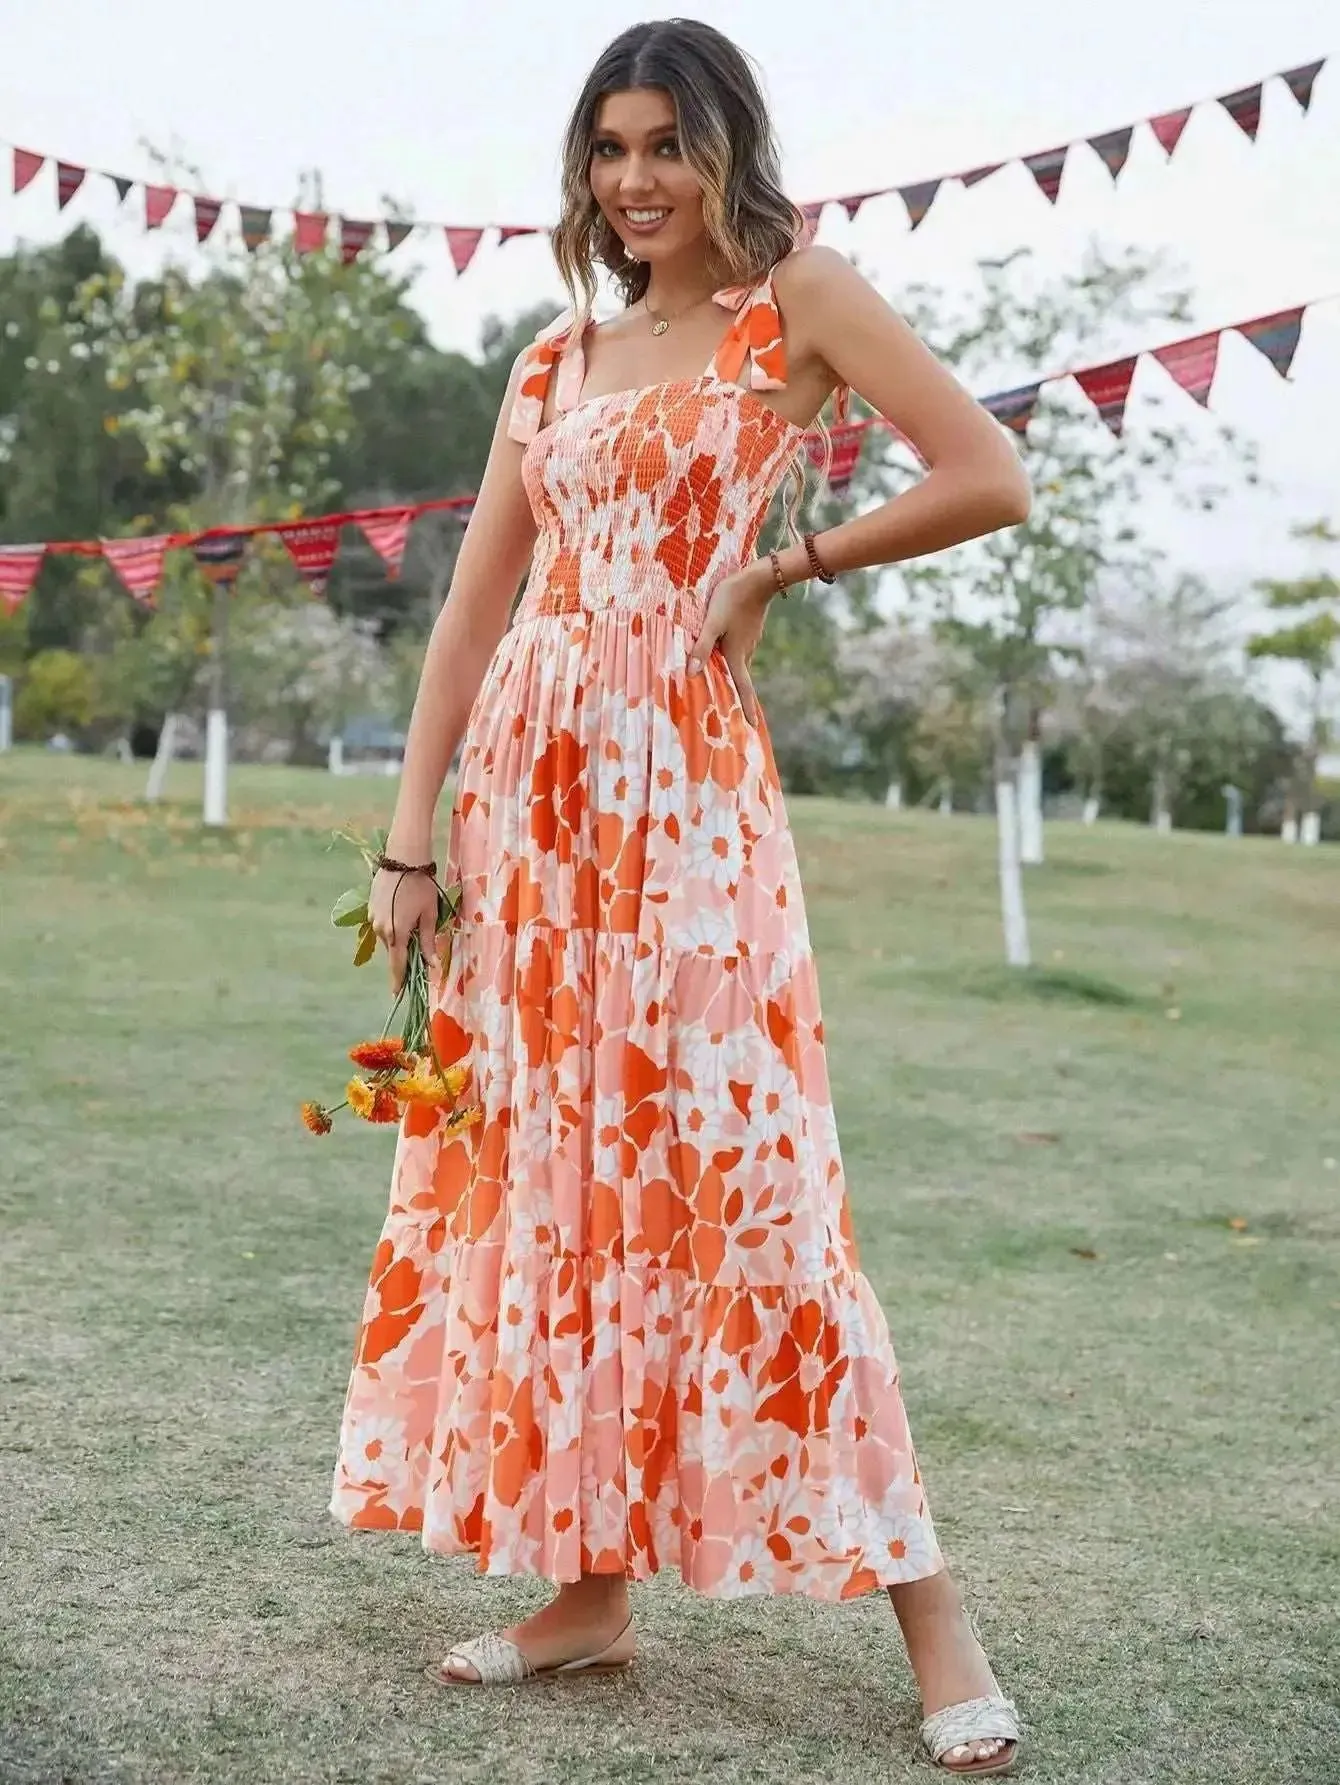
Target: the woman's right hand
(398, 905)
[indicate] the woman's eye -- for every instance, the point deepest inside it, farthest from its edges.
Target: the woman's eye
(604, 150)
(669, 147)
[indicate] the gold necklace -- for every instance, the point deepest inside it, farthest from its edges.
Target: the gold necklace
(660, 324)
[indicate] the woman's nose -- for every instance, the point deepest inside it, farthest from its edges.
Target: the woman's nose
(638, 175)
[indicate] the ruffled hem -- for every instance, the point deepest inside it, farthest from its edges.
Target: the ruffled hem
(752, 1437)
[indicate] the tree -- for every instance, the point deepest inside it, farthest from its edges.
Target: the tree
(1311, 641)
(242, 390)
(1009, 601)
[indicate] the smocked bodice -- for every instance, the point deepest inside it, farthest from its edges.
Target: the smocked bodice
(644, 499)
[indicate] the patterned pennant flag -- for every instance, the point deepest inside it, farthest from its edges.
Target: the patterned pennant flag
(1107, 388)
(313, 546)
(138, 562)
(1244, 107)
(27, 166)
(462, 244)
(846, 438)
(809, 226)
(207, 213)
(69, 179)
(1299, 81)
(1014, 408)
(255, 225)
(158, 202)
(396, 233)
(354, 238)
(1276, 336)
(1112, 148)
(19, 565)
(1192, 363)
(508, 232)
(1168, 128)
(220, 555)
(853, 202)
(918, 199)
(309, 231)
(977, 174)
(1047, 168)
(387, 534)
(122, 185)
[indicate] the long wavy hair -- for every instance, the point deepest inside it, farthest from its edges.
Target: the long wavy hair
(725, 135)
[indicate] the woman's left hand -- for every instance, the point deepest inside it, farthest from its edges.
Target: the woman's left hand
(734, 620)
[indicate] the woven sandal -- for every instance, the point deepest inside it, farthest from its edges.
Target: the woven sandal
(499, 1662)
(975, 1720)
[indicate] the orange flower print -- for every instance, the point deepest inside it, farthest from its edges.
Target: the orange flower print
(616, 1318)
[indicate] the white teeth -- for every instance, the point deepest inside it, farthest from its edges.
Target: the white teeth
(645, 216)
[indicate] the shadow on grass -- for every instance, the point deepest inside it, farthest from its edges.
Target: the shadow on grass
(1040, 985)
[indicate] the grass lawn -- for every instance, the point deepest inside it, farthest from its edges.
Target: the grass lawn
(1101, 1206)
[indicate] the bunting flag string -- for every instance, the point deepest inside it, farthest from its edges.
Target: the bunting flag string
(312, 229)
(312, 543)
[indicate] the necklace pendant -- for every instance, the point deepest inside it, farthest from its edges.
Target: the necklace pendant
(659, 328)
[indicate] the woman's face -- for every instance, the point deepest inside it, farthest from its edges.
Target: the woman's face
(650, 195)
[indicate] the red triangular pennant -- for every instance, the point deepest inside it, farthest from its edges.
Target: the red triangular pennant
(918, 199)
(1276, 336)
(354, 238)
(1168, 128)
(1112, 148)
(508, 232)
(809, 227)
(255, 225)
(845, 444)
(313, 546)
(69, 179)
(853, 202)
(138, 562)
(1047, 168)
(387, 533)
(462, 244)
(19, 565)
(1299, 81)
(1192, 363)
(396, 233)
(976, 175)
(1244, 107)
(158, 202)
(1014, 409)
(220, 556)
(27, 166)
(207, 212)
(1107, 388)
(309, 231)
(123, 185)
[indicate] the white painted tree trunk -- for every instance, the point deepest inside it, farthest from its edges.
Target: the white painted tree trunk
(1289, 831)
(1092, 807)
(1014, 919)
(216, 767)
(6, 713)
(1163, 819)
(893, 796)
(946, 805)
(162, 762)
(1030, 803)
(335, 758)
(1309, 831)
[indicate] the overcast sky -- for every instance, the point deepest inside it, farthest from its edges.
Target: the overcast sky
(457, 111)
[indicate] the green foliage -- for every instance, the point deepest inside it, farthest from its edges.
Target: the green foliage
(57, 693)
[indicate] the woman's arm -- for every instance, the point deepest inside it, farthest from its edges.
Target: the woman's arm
(841, 329)
(492, 560)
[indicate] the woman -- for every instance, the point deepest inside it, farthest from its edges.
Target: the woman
(620, 1323)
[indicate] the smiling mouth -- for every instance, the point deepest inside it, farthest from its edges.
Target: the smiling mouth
(645, 217)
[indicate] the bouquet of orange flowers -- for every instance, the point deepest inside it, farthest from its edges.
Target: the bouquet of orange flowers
(397, 1071)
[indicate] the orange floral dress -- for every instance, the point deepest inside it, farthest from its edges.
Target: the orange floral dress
(620, 1324)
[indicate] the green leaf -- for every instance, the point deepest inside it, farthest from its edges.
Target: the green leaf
(350, 909)
(367, 945)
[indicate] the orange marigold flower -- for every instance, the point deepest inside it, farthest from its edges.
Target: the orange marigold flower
(378, 1056)
(460, 1119)
(423, 1085)
(361, 1097)
(315, 1119)
(384, 1106)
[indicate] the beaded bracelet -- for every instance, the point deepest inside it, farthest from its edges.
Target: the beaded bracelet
(777, 574)
(812, 553)
(395, 867)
